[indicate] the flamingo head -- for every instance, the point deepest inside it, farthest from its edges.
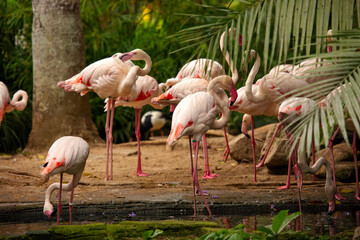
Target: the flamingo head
(233, 94)
(49, 210)
(126, 56)
(50, 214)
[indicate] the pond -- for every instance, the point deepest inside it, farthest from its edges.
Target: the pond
(314, 220)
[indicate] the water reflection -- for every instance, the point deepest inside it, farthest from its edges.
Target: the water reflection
(317, 223)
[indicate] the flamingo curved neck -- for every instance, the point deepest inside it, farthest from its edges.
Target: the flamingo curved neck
(16, 104)
(234, 71)
(258, 97)
(216, 93)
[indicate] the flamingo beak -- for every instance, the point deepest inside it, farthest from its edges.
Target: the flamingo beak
(126, 56)
(233, 94)
(50, 214)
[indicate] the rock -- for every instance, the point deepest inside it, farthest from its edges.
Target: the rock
(277, 159)
(342, 152)
(241, 148)
(344, 172)
(344, 162)
(357, 234)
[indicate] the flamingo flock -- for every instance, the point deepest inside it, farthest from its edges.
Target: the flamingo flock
(197, 98)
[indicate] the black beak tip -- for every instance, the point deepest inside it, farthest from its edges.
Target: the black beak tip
(329, 213)
(53, 214)
(232, 103)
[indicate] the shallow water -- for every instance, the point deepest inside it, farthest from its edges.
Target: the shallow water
(316, 222)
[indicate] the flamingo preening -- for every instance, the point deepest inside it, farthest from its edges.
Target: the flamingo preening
(7, 104)
(110, 78)
(66, 155)
(196, 114)
(146, 88)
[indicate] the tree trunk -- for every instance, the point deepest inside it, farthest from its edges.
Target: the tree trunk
(58, 53)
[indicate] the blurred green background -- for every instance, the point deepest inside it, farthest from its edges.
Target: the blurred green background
(109, 26)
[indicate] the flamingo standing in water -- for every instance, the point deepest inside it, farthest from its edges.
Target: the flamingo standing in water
(146, 88)
(290, 111)
(66, 155)
(7, 105)
(196, 114)
(110, 78)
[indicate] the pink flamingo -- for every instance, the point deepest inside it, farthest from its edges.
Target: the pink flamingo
(146, 88)
(198, 68)
(196, 114)
(7, 105)
(66, 155)
(291, 111)
(110, 78)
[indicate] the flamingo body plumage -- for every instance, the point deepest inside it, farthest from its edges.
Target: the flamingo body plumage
(67, 155)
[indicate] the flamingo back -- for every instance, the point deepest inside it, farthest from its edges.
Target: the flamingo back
(193, 116)
(4, 99)
(67, 155)
(204, 68)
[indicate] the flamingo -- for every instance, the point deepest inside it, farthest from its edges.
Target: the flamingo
(196, 114)
(195, 83)
(146, 88)
(110, 78)
(7, 105)
(289, 112)
(67, 155)
(198, 68)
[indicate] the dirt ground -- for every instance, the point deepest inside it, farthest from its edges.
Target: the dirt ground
(21, 184)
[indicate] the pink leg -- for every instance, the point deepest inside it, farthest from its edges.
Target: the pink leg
(195, 177)
(287, 186)
(253, 143)
(111, 136)
(331, 144)
(107, 139)
(192, 145)
(356, 166)
(139, 171)
(313, 158)
(268, 149)
(71, 199)
(59, 203)
(227, 151)
(207, 173)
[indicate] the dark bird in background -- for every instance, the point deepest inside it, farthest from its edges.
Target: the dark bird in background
(152, 121)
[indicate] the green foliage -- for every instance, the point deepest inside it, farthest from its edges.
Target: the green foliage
(280, 221)
(151, 234)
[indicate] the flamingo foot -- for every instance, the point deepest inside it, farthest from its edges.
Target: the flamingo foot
(331, 207)
(204, 193)
(339, 197)
(260, 165)
(226, 155)
(287, 186)
(209, 176)
(141, 174)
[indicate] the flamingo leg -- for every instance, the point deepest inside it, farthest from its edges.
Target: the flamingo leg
(331, 147)
(59, 203)
(268, 149)
(71, 200)
(313, 158)
(287, 186)
(227, 151)
(139, 171)
(195, 176)
(112, 102)
(207, 173)
(107, 139)
(191, 145)
(253, 143)
(356, 166)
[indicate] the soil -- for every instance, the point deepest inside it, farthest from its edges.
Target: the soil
(168, 185)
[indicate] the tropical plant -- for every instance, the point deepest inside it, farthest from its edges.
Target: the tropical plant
(280, 222)
(289, 31)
